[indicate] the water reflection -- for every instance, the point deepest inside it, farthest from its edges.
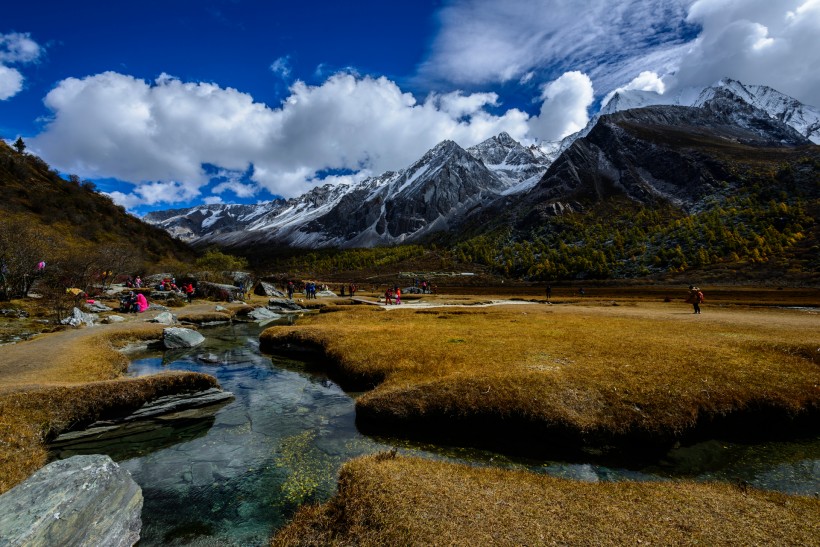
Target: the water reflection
(233, 479)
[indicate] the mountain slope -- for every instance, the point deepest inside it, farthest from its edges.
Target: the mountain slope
(74, 213)
(433, 194)
(660, 153)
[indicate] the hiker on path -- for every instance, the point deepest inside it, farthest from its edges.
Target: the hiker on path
(695, 298)
(549, 293)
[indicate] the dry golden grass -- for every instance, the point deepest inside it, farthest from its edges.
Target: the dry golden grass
(408, 501)
(61, 380)
(594, 372)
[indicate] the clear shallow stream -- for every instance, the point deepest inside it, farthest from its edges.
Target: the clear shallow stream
(234, 478)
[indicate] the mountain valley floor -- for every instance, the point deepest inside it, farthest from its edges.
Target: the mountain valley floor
(618, 367)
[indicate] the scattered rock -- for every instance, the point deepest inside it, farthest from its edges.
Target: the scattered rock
(78, 318)
(83, 500)
(276, 304)
(176, 338)
(114, 319)
(165, 318)
(10, 312)
(221, 309)
(326, 294)
(97, 307)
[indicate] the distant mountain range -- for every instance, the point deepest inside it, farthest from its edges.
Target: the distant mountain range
(646, 147)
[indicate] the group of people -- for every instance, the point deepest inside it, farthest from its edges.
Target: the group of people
(133, 303)
(351, 290)
(392, 295)
(310, 290)
(426, 287)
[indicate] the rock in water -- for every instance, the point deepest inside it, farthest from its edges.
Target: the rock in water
(176, 338)
(83, 500)
(262, 314)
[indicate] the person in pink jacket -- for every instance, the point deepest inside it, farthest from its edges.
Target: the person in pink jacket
(142, 303)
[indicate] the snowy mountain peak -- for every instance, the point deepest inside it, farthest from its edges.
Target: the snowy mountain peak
(802, 118)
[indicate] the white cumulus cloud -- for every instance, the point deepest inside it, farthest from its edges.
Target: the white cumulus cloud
(160, 135)
(565, 107)
(11, 82)
(16, 48)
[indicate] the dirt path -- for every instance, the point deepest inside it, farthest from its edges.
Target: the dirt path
(78, 355)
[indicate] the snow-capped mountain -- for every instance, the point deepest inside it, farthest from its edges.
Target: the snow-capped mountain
(803, 118)
(438, 190)
(676, 155)
(449, 184)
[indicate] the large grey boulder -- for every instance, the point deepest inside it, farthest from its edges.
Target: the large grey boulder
(176, 338)
(78, 318)
(264, 288)
(84, 500)
(97, 307)
(114, 319)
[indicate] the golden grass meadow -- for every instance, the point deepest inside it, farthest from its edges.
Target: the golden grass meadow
(592, 372)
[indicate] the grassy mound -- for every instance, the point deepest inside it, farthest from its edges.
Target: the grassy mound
(406, 501)
(61, 381)
(582, 375)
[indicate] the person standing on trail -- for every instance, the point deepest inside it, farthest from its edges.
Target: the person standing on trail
(695, 298)
(549, 293)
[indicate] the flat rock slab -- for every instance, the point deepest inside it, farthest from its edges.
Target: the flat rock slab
(176, 338)
(83, 500)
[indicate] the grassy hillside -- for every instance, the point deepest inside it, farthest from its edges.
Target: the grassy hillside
(73, 212)
(78, 232)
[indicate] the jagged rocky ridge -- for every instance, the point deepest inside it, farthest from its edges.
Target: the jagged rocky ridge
(658, 153)
(433, 194)
(449, 184)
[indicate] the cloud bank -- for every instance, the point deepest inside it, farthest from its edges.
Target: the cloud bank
(160, 135)
(757, 42)
(682, 42)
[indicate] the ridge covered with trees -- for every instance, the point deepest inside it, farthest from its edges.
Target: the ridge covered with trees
(76, 231)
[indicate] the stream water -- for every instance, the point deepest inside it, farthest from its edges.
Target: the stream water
(234, 477)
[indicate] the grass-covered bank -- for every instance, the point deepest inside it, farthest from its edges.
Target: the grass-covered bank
(536, 377)
(64, 380)
(407, 501)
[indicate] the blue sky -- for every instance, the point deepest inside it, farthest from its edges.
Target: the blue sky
(174, 103)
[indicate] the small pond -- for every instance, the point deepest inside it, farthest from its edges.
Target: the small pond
(234, 477)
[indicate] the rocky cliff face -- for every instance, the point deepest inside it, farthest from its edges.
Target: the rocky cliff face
(433, 194)
(659, 153)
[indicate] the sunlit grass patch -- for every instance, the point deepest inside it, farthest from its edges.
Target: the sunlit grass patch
(54, 383)
(407, 501)
(595, 373)
(28, 418)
